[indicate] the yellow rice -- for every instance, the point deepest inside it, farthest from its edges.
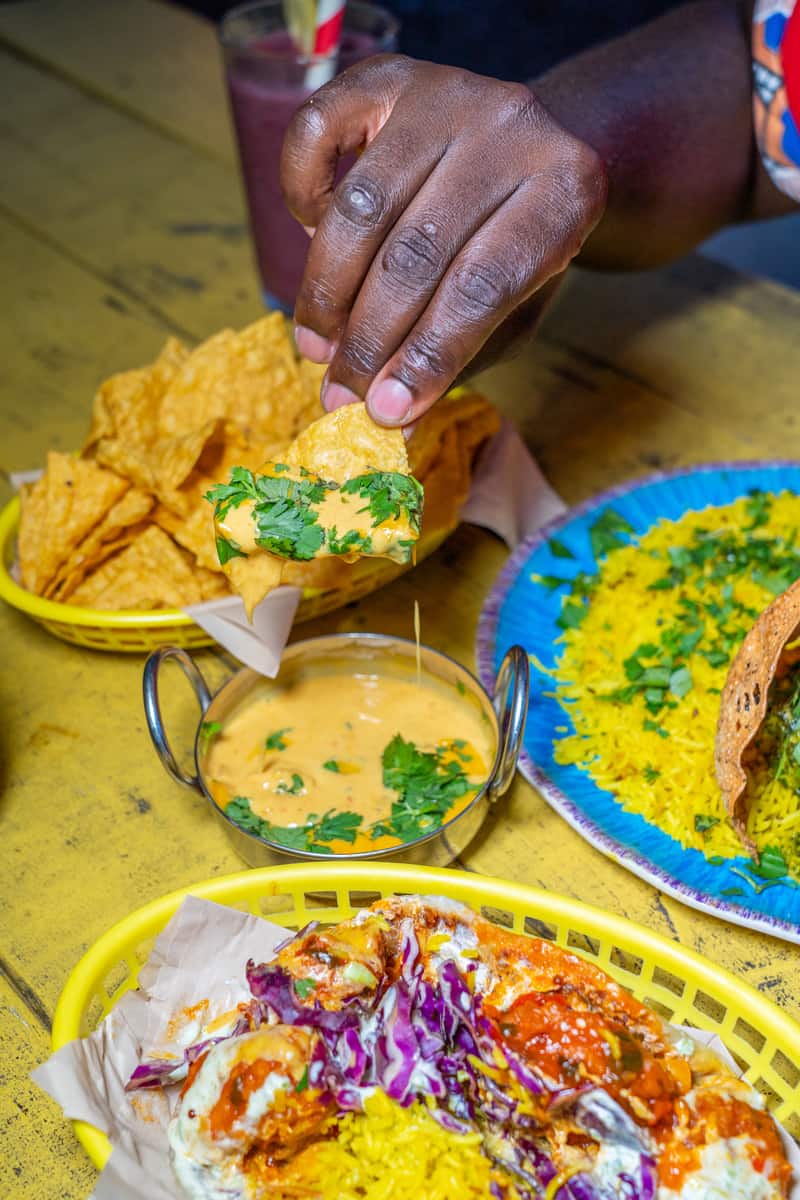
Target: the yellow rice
(611, 743)
(391, 1153)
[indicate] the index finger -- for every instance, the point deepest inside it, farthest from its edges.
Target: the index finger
(342, 116)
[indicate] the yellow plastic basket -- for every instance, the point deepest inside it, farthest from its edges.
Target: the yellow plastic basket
(136, 631)
(680, 985)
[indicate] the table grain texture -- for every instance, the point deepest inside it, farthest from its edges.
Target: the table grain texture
(121, 221)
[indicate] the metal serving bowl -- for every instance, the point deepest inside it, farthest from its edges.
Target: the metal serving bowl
(505, 712)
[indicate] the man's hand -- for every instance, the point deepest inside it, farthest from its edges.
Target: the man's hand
(467, 198)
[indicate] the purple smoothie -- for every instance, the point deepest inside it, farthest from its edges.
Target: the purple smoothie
(266, 84)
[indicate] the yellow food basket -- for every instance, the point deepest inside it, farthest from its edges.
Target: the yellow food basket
(680, 985)
(134, 631)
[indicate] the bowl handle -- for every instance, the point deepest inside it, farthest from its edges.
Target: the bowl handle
(510, 702)
(152, 709)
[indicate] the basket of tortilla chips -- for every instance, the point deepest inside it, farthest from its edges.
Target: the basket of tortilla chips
(108, 547)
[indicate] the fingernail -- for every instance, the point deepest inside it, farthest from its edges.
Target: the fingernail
(335, 395)
(390, 402)
(312, 346)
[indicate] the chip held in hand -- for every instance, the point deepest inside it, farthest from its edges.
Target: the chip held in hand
(343, 488)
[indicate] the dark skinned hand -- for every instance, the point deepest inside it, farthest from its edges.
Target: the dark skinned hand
(467, 199)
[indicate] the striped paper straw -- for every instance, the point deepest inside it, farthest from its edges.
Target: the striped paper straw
(327, 35)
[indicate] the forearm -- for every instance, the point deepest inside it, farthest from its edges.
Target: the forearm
(668, 108)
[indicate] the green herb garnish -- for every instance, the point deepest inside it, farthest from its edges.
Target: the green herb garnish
(349, 543)
(388, 494)
(558, 549)
(225, 496)
(302, 1082)
(227, 549)
(304, 987)
(312, 836)
(703, 822)
(651, 774)
(291, 789)
(276, 740)
(331, 765)
(208, 730)
(604, 534)
(426, 788)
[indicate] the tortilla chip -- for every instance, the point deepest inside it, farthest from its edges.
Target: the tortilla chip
(251, 378)
(477, 420)
(99, 544)
(152, 572)
(743, 705)
(58, 511)
(160, 466)
(126, 405)
(347, 443)
(185, 513)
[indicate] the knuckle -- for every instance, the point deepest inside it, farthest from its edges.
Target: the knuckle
(414, 255)
(425, 356)
(482, 287)
(317, 305)
(586, 172)
(309, 123)
(361, 201)
(357, 357)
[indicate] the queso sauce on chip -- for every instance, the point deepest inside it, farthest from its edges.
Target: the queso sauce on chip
(337, 761)
(343, 489)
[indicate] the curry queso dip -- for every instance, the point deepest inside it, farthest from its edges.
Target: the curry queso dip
(336, 758)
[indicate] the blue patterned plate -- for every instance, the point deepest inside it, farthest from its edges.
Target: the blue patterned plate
(519, 609)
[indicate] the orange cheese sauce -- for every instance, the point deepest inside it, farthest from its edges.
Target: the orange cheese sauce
(313, 740)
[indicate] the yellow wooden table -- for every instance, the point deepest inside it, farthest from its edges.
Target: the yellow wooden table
(121, 220)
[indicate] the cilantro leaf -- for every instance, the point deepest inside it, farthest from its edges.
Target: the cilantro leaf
(208, 731)
(227, 549)
(225, 496)
(291, 789)
(388, 495)
(604, 533)
(304, 987)
(276, 740)
(311, 836)
(703, 822)
(558, 549)
(302, 1082)
(331, 765)
(426, 787)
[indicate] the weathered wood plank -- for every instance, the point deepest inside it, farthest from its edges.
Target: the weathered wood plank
(154, 59)
(162, 223)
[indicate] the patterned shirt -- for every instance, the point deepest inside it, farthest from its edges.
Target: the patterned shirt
(776, 91)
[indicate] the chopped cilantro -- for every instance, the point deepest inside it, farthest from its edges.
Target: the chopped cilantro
(758, 508)
(280, 468)
(291, 789)
(732, 891)
(460, 688)
(302, 1082)
(311, 836)
(348, 543)
(654, 727)
(703, 822)
(558, 549)
(227, 549)
(304, 987)
(680, 682)
(426, 788)
(651, 774)
(771, 864)
(276, 740)
(604, 533)
(388, 495)
(331, 765)
(208, 730)
(571, 615)
(225, 496)
(716, 860)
